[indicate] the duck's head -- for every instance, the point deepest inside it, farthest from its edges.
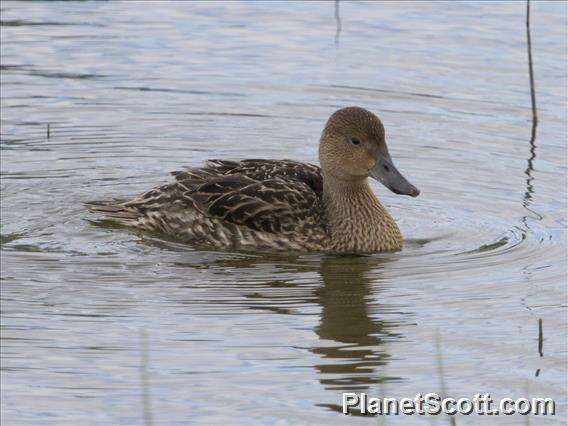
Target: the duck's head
(353, 147)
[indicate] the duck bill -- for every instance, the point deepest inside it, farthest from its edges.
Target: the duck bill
(385, 172)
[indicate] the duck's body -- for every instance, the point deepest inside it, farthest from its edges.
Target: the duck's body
(268, 204)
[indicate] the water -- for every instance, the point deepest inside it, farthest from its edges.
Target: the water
(109, 326)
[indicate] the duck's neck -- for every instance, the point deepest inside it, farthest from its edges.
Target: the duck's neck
(357, 221)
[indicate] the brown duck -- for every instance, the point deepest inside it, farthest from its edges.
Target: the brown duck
(281, 204)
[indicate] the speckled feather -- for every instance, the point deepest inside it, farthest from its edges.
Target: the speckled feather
(274, 204)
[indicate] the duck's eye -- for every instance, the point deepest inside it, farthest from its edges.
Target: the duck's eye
(355, 141)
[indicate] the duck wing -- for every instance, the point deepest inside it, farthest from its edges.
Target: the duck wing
(258, 170)
(275, 196)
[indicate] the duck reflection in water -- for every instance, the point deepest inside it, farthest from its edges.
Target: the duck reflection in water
(353, 330)
(355, 354)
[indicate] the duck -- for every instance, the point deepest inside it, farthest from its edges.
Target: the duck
(282, 205)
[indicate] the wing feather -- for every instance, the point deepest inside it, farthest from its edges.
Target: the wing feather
(258, 170)
(272, 205)
(274, 196)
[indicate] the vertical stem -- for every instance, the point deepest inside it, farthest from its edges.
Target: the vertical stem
(337, 23)
(440, 362)
(540, 338)
(144, 382)
(531, 73)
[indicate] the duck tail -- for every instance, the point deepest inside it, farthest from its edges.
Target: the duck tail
(115, 210)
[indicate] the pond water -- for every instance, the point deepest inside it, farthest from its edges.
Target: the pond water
(111, 326)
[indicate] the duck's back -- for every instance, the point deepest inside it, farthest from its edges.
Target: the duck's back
(250, 204)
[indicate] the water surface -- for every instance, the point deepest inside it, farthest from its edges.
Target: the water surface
(110, 326)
